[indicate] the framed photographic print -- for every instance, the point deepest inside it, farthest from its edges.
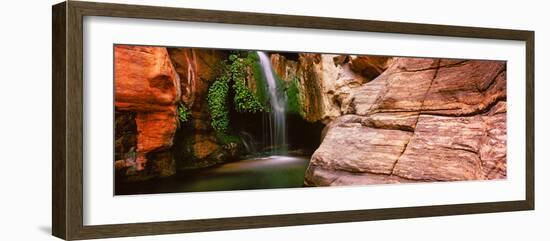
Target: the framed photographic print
(171, 120)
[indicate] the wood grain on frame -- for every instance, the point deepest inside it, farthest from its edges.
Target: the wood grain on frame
(59, 194)
(67, 136)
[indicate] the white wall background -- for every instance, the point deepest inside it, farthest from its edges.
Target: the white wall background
(25, 120)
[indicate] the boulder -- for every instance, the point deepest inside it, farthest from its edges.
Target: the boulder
(351, 145)
(443, 149)
(419, 120)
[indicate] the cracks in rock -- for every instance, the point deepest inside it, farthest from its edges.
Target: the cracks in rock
(493, 81)
(429, 88)
(366, 121)
(380, 95)
(487, 135)
(400, 155)
(418, 117)
(395, 127)
(462, 149)
(471, 110)
(435, 67)
(430, 112)
(480, 111)
(483, 108)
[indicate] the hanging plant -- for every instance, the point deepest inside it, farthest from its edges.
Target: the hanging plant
(183, 113)
(233, 71)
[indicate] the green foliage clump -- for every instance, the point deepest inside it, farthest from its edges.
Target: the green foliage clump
(217, 104)
(233, 73)
(183, 113)
(245, 100)
(293, 98)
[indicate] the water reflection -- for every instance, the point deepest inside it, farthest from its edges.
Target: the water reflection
(257, 173)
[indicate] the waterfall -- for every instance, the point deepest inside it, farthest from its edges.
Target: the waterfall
(276, 121)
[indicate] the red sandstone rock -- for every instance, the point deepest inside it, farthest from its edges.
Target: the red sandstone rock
(443, 149)
(155, 130)
(145, 79)
(420, 120)
(492, 150)
(466, 88)
(351, 146)
(328, 82)
(197, 69)
(369, 66)
(147, 84)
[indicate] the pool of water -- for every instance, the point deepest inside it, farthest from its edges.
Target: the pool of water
(256, 173)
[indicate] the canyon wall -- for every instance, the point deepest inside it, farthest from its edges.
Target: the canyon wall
(418, 120)
(146, 90)
(387, 120)
(327, 81)
(198, 145)
(150, 84)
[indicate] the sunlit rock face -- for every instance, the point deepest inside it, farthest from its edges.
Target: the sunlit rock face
(327, 81)
(419, 120)
(147, 85)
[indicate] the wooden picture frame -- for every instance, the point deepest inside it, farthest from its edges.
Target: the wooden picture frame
(67, 124)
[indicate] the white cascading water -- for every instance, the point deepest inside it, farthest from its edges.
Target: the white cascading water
(277, 119)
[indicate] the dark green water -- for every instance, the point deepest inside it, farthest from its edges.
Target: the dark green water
(258, 173)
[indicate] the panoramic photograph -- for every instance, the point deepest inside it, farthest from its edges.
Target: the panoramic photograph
(199, 119)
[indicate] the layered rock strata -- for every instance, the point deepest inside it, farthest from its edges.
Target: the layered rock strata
(419, 120)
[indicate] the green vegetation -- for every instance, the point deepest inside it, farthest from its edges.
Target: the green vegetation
(225, 138)
(183, 113)
(231, 81)
(217, 104)
(233, 73)
(293, 97)
(245, 100)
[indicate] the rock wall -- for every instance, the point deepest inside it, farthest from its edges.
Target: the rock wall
(326, 81)
(147, 86)
(419, 120)
(197, 144)
(388, 120)
(323, 82)
(150, 84)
